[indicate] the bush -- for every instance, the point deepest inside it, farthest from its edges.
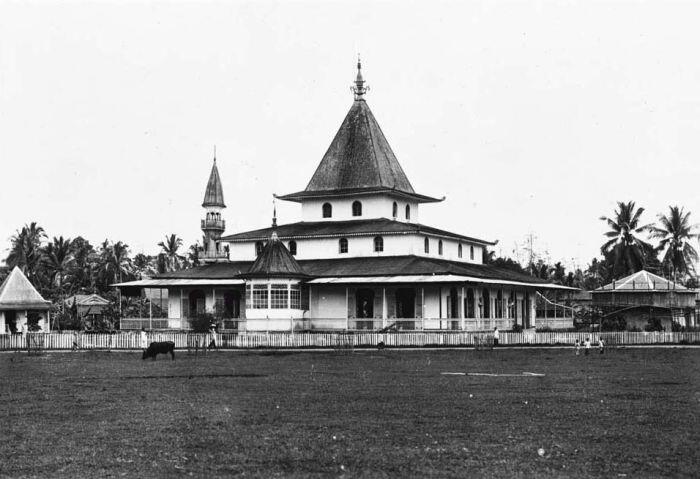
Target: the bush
(202, 323)
(613, 323)
(654, 324)
(517, 328)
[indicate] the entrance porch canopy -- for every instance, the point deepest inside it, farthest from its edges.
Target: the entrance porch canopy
(443, 278)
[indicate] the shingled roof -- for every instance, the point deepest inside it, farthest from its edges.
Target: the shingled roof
(358, 159)
(368, 267)
(16, 292)
(275, 260)
(214, 195)
(330, 229)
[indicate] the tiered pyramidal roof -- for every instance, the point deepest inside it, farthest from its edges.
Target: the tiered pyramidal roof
(214, 195)
(16, 292)
(359, 159)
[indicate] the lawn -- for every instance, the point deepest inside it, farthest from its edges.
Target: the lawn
(391, 413)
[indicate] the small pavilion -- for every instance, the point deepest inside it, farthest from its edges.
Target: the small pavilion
(273, 287)
(21, 305)
(643, 297)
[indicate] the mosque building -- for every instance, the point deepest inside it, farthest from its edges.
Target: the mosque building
(358, 259)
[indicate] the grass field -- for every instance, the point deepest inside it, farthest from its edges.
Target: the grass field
(390, 413)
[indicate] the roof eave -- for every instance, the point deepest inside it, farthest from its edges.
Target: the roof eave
(300, 196)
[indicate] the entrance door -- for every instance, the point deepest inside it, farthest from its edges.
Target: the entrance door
(405, 303)
(364, 304)
(469, 303)
(232, 304)
(11, 321)
(197, 304)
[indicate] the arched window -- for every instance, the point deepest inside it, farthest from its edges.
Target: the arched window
(293, 247)
(408, 212)
(343, 245)
(471, 252)
(356, 208)
(378, 244)
(440, 247)
(259, 245)
(394, 210)
(426, 245)
(459, 250)
(327, 210)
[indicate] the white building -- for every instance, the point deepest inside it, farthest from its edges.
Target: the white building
(359, 259)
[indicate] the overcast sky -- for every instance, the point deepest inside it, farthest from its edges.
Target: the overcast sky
(531, 117)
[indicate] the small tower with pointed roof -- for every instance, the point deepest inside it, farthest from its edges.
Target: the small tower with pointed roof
(273, 285)
(212, 224)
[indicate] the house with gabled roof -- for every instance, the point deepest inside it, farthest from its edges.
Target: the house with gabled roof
(643, 298)
(21, 305)
(359, 258)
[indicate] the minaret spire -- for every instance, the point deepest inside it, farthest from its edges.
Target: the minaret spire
(359, 89)
(273, 236)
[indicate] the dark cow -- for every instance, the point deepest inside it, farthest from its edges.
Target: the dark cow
(157, 348)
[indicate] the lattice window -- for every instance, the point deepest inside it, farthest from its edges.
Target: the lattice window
(295, 297)
(259, 296)
(279, 296)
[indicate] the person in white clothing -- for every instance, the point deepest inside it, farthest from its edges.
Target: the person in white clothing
(495, 336)
(587, 346)
(143, 339)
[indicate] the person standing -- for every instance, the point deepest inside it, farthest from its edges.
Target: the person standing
(25, 337)
(495, 336)
(212, 335)
(577, 346)
(143, 339)
(587, 346)
(601, 345)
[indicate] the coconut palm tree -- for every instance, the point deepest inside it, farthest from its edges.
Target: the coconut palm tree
(676, 234)
(170, 246)
(115, 260)
(25, 249)
(628, 250)
(58, 258)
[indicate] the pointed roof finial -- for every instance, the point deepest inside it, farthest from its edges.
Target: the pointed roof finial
(274, 215)
(214, 153)
(359, 89)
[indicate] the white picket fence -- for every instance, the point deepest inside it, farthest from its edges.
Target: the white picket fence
(57, 341)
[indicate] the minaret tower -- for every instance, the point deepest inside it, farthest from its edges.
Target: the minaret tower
(212, 224)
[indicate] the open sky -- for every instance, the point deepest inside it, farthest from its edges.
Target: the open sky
(530, 116)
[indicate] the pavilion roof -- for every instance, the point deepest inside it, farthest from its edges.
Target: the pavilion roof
(643, 281)
(275, 260)
(16, 292)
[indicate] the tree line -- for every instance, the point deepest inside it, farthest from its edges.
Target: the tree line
(628, 247)
(61, 267)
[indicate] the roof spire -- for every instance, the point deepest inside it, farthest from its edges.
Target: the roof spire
(214, 153)
(274, 218)
(359, 89)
